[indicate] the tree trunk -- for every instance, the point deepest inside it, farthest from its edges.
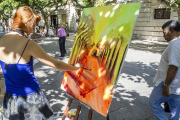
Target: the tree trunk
(46, 25)
(93, 2)
(45, 17)
(6, 21)
(46, 22)
(178, 12)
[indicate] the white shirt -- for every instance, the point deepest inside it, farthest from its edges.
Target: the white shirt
(170, 56)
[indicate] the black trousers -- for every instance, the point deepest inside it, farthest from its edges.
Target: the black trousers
(62, 45)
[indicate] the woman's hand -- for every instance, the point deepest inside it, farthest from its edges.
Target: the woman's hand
(78, 65)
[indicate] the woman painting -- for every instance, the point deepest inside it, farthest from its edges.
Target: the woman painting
(23, 98)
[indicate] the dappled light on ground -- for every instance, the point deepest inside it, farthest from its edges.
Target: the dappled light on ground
(131, 91)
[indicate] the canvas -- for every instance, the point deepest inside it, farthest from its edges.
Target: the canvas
(100, 45)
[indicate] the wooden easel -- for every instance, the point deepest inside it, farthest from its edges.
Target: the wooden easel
(78, 110)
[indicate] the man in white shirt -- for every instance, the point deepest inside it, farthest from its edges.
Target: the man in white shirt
(167, 79)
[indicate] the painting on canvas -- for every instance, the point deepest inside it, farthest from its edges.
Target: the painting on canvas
(100, 45)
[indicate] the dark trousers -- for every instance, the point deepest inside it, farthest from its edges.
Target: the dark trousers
(62, 45)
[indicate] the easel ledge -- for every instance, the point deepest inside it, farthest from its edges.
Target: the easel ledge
(78, 110)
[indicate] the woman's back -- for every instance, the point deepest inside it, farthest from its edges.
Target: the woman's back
(11, 48)
(19, 77)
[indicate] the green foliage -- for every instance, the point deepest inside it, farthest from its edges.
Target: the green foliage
(87, 3)
(80, 4)
(42, 5)
(45, 7)
(100, 3)
(177, 2)
(174, 4)
(6, 8)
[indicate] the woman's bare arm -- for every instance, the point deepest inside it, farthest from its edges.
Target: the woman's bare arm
(37, 52)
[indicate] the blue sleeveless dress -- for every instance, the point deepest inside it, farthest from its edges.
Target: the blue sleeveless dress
(23, 98)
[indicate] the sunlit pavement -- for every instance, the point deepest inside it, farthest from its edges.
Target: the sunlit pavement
(134, 85)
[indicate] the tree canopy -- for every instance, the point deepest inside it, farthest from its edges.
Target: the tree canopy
(80, 4)
(45, 7)
(173, 4)
(91, 3)
(6, 9)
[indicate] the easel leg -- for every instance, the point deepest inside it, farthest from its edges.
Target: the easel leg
(107, 117)
(77, 113)
(67, 109)
(90, 114)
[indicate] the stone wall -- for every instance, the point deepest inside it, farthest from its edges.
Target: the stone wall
(148, 28)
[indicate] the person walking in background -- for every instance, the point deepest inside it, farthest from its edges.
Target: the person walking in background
(37, 28)
(37, 31)
(167, 79)
(62, 38)
(50, 31)
(43, 33)
(24, 99)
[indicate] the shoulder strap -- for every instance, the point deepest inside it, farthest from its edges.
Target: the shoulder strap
(23, 51)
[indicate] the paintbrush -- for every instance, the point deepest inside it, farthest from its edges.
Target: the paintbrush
(83, 67)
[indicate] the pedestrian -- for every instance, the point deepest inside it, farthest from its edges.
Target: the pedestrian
(37, 31)
(43, 32)
(167, 79)
(50, 31)
(62, 38)
(23, 98)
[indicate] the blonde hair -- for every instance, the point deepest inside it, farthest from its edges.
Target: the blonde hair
(24, 18)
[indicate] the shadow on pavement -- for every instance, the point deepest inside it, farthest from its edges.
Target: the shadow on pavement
(130, 99)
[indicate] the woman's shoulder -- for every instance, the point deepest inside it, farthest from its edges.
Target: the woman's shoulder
(13, 37)
(32, 43)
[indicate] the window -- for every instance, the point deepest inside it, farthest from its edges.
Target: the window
(162, 13)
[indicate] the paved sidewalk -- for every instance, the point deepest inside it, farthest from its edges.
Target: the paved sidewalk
(130, 99)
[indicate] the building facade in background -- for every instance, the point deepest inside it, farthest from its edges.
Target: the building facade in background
(148, 26)
(151, 18)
